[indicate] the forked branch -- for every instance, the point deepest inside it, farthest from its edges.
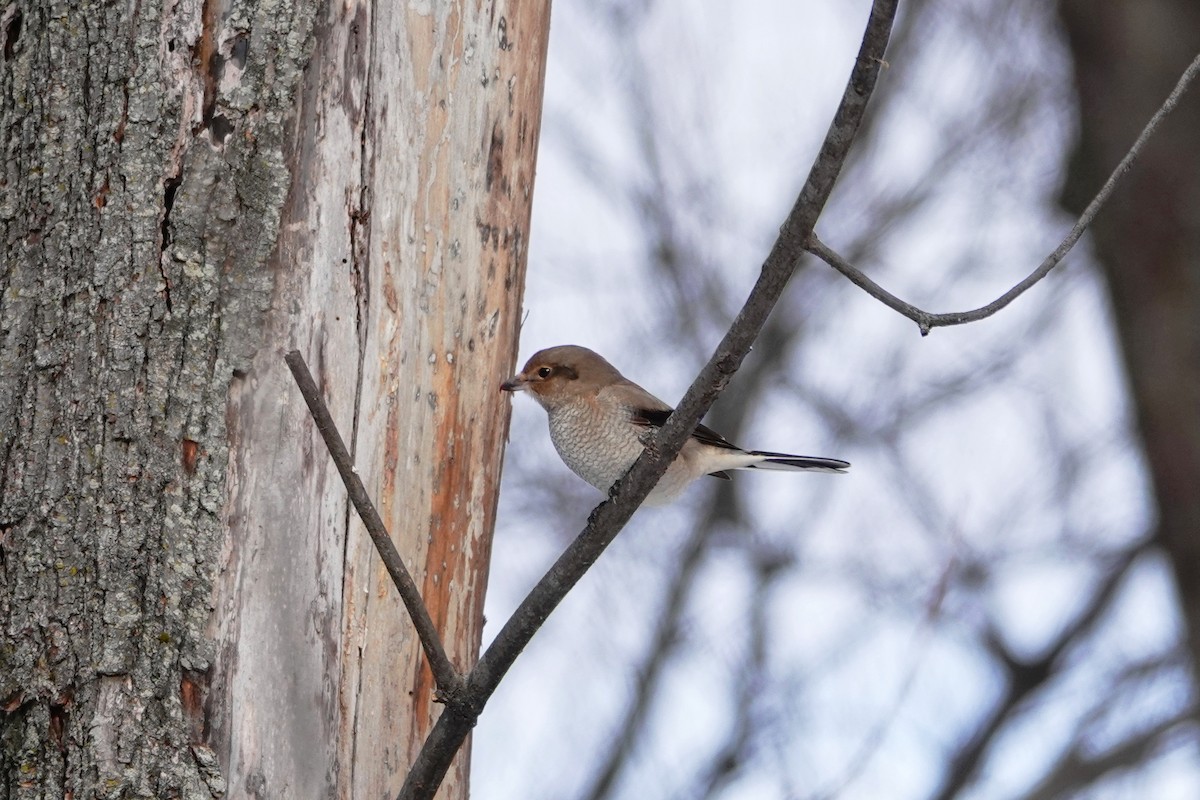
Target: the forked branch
(926, 320)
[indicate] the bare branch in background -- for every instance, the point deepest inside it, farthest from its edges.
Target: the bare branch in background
(926, 320)
(735, 752)
(1025, 677)
(665, 640)
(1083, 764)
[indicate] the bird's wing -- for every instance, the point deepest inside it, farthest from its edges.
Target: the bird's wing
(647, 411)
(657, 417)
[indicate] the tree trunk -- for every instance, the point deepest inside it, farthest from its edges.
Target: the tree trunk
(415, 231)
(1128, 55)
(188, 607)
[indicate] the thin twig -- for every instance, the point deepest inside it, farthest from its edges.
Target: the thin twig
(926, 320)
(448, 680)
(607, 520)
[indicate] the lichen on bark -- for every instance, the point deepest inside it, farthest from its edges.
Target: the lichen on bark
(142, 181)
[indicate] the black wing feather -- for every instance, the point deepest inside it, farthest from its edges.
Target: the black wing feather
(657, 417)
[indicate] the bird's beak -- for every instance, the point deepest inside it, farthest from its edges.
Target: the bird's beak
(514, 384)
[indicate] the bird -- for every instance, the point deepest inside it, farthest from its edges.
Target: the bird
(600, 421)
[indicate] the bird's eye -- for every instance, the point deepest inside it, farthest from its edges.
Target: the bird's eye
(544, 372)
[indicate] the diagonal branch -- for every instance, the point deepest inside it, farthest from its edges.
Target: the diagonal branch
(927, 320)
(448, 680)
(606, 521)
(1079, 771)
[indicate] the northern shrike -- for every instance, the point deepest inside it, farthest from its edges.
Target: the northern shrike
(601, 420)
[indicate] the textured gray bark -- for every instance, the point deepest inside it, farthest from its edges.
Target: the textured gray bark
(143, 177)
(188, 608)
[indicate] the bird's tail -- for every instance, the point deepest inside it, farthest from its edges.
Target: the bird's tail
(790, 463)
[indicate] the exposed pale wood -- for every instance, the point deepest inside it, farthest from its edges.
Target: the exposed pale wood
(275, 710)
(400, 264)
(451, 159)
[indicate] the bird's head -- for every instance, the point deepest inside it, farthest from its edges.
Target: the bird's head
(561, 374)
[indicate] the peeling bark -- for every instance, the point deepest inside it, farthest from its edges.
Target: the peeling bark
(403, 253)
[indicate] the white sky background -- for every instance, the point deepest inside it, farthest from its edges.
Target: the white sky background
(1004, 441)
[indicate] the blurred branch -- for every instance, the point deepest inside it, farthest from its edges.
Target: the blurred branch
(737, 749)
(926, 320)
(666, 637)
(1025, 677)
(872, 741)
(448, 680)
(1077, 770)
(607, 520)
